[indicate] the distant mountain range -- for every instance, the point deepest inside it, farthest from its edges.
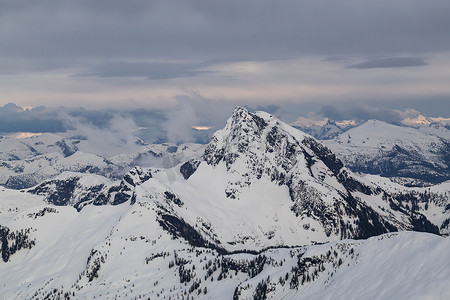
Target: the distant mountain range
(331, 129)
(263, 211)
(415, 156)
(325, 132)
(25, 162)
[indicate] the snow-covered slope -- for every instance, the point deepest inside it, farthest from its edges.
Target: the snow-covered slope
(376, 147)
(433, 202)
(124, 252)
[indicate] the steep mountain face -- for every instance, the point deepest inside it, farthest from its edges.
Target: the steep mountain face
(403, 153)
(316, 188)
(255, 147)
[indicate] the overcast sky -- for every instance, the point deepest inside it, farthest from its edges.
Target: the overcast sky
(297, 55)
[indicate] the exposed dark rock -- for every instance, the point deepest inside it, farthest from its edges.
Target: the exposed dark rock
(67, 150)
(179, 228)
(324, 154)
(19, 182)
(173, 198)
(58, 192)
(189, 167)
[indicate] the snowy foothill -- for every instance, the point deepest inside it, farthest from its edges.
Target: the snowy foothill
(121, 251)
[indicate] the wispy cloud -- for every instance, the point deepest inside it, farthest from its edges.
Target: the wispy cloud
(152, 71)
(179, 123)
(114, 138)
(389, 62)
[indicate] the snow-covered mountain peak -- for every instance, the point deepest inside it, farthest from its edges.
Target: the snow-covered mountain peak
(376, 128)
(241, 129)
(259, 163)
(256, 145)
(248, 134)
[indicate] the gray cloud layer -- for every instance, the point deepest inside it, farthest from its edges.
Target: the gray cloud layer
(48, 34)
(257, 52)
(14, 118)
